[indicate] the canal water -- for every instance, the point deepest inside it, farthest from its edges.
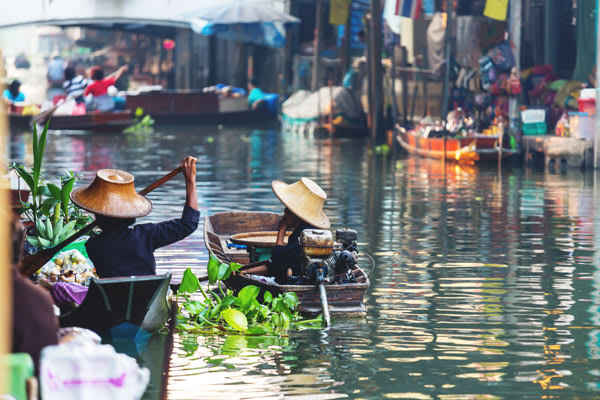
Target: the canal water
(487, 283)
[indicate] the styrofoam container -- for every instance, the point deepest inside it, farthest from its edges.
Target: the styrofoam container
(588, 93)
(581, 125)
(531, 116)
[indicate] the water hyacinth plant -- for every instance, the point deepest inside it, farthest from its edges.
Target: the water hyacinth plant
(225, 312)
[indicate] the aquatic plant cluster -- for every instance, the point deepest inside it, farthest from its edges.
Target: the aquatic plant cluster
(225, 312)
(50, 210)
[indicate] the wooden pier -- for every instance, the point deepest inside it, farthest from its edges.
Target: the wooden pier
(559, 151)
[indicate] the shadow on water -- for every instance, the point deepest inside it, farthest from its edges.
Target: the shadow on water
(486, 286)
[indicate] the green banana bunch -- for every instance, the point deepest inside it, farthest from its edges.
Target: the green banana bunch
(49, 235)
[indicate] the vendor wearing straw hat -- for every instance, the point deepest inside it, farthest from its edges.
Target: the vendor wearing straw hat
(303, 201)
(121, 250)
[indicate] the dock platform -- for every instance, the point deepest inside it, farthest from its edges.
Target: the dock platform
(558, 151)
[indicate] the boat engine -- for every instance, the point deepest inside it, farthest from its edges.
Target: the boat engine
(325, 261)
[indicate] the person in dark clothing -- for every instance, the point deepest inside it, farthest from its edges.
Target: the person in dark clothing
(120, 250)
(303, 202)
(34, 325)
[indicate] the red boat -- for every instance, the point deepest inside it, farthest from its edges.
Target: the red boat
(462, 150)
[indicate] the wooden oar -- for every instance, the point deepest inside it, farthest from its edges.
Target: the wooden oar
(37, 260)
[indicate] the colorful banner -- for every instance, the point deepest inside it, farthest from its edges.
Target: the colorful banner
(408, 8)
(496, 9)
(338, 11)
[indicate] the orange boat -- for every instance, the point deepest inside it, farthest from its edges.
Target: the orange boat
(462, 150)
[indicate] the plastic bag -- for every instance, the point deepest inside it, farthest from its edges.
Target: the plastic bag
(82, 370)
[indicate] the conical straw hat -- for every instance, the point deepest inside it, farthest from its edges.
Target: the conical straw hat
(112, 194)
(305, 199)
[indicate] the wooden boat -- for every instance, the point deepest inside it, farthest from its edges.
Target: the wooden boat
(462, 150)
(346, 130)
(123, 307)
(344, 299)
(195, 106)
(114, 120)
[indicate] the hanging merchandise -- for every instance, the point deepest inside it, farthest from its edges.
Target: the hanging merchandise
(338, 12)
(496, 9)
(408, 8)
(429, 7)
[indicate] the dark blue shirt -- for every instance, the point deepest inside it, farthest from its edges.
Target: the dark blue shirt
(288, 256)
(129, 251)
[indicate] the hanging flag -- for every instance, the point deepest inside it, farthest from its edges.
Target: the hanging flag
(496, 9)
(408, 8)
(338, 12)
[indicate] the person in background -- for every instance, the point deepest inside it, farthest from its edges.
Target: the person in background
(34, 325)
(13, 94)
(101, 100)
(56, 71)
(74, 85)
(303, 201)
(256, 97)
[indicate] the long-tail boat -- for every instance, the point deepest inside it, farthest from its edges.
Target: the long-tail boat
(114, 120)
(461, 149)
(344, 299)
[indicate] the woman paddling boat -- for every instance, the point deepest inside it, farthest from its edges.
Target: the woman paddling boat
(120, 250)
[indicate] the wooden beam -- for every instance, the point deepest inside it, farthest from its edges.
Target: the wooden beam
(317, 46)
(5, 256)
(377, 122)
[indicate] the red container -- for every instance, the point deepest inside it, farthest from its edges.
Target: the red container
(587, 105)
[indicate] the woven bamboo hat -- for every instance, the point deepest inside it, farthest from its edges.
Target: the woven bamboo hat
(112, 194)
(305, 199)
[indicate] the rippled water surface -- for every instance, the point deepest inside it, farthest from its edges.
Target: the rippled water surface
(485, 287)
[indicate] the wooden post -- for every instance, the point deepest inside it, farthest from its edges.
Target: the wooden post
(314, 85)
(5, 257)
(597, 127)
(448, 49)
(347, 40)
(404, 75)
(376, 72)
(515, 35)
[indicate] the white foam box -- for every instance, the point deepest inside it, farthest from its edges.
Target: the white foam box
(581, 125)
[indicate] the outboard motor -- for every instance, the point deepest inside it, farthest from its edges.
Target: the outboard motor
(345, 259)
(317, 246)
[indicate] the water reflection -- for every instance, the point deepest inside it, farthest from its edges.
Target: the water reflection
(486, 285)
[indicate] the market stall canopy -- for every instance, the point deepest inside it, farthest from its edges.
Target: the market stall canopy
(247, 21)
(94, 12)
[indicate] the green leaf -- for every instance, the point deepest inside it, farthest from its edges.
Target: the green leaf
(66, 192)
(236, 319)
(189, 282)
(48, 205)
(258, 330)
(224, 272)
(213, 270)
(267, 297)
(234, 266)
(54, 191)
(34, 241)
(291, 300)
(44, 242)
(40, 227)
(194, 307)
(247, 295)
(49, 229)
(67, 230)
(26, 176)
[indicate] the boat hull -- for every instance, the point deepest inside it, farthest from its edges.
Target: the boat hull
(345, 299)
(123, 307)
(110, 121)
(468, 149)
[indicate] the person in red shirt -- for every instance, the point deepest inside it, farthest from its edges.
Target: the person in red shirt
(99, 89)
